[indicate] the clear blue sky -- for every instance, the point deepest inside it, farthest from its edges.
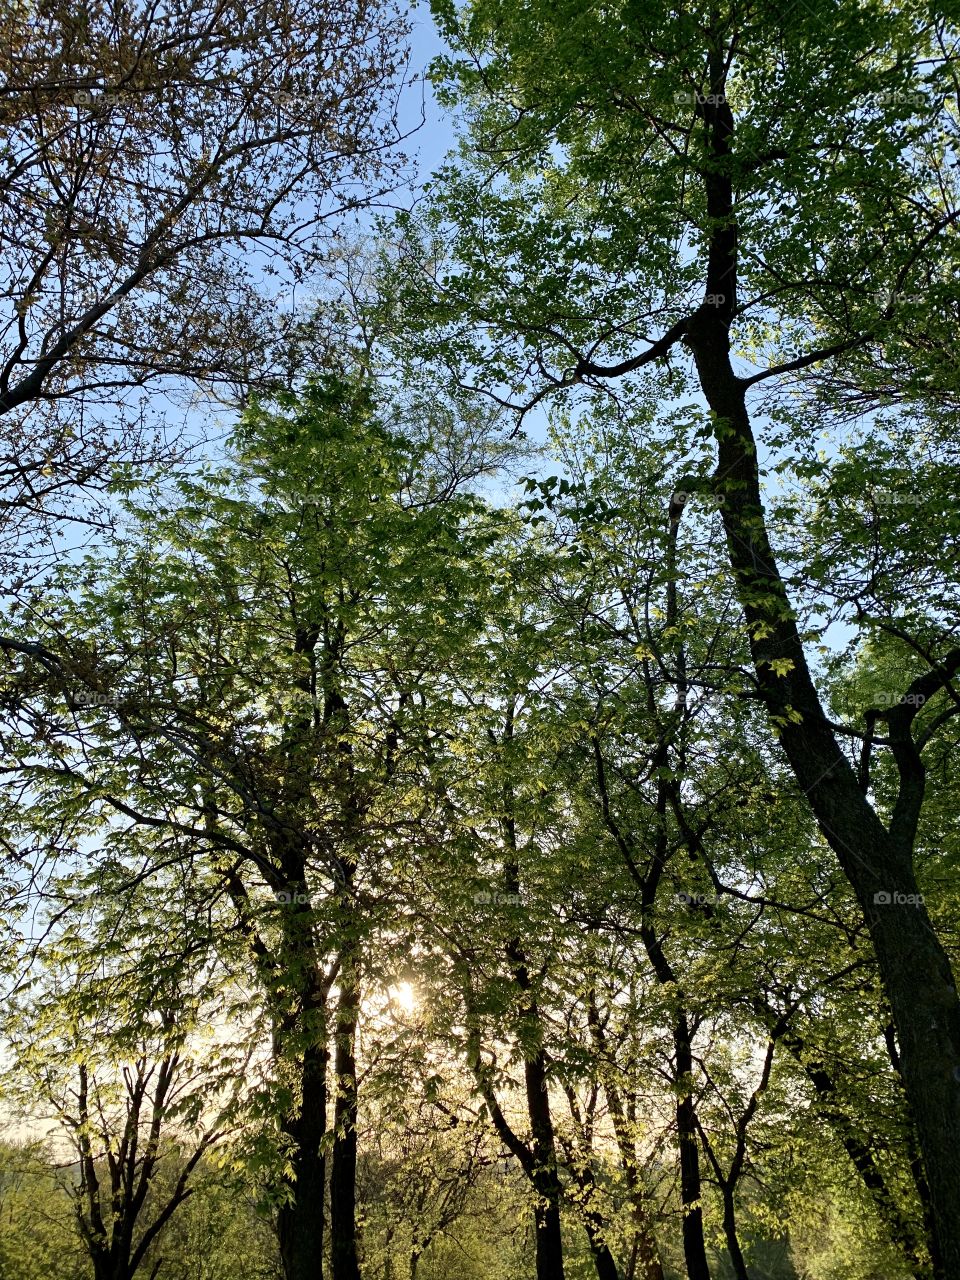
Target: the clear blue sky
(436, 137)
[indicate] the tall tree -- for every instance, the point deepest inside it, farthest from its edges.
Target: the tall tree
(107, 1041)
(698, 198)
(168, 170)
(259, 676)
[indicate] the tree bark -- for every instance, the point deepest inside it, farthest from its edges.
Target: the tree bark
(300, 1224)
(603, 1260)
(303, 1034)
(343, 1163)
(694, 1245)
(545, 1178)
(914, 968)
(646, 1254)
(730, 1233)
(543, 1170)
(691, 1189)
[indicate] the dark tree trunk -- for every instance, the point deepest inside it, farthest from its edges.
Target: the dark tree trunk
(343, 1163)
(691, 1189)
(914, 968)
(549, 1238)
(917, 1172)
(694, 1245)
(647, 1255)
(300, 1221)
(603, 1260)
(541, 1164)
(648, 882)
(878, 863)
(546, 1181)
(593, 1222)
(537, 1158)
(730, 1232)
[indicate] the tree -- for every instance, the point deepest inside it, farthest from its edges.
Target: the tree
(113, 1054)
(37, 1238)
(269, 712)
(166, 172)
(667, 199)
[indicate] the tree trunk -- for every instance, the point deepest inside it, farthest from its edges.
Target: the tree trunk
(914, 968)
(603, 1259)
(388, 1254)
(647, 1255)
(300, 1038)
(918, 1174)
(542, 1164)
(694, 1246)
(300, 1220)
(878, 863)
(929, 1226)
(730, 1232)
(343, 1164)
(546, 1181)
(691, 1189)
(102, 1267)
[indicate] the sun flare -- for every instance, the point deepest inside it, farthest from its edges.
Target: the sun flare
(404, 997)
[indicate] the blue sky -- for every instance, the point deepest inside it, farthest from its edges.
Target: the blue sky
(436, 137)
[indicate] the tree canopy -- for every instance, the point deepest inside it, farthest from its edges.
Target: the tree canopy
(494, 813)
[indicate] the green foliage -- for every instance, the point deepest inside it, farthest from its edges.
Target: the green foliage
(38, 1238)
(321, 711)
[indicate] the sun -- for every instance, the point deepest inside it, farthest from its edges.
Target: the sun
(404, 997)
